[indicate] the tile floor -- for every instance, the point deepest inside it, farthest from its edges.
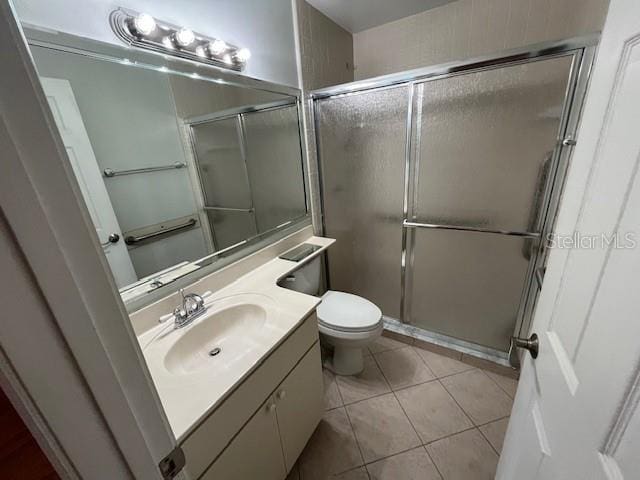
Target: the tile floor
(411, 414)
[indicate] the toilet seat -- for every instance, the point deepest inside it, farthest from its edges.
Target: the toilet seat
(345, 312)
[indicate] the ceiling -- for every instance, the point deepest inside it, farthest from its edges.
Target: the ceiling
(358, 15)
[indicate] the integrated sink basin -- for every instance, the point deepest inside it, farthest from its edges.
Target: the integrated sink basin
(233, 331)
(219, 340)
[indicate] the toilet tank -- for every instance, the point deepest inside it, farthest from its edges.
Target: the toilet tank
(306, 279)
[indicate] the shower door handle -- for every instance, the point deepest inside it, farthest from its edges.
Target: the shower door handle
(467, 228)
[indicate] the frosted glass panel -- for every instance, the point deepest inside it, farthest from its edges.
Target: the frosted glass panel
(467, 285)
(230, 228)
(484, 138)
(362, 143)
(274, 163)
(485, 141)
(220, 163)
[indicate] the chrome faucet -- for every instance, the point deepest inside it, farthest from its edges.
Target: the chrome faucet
(192, 307)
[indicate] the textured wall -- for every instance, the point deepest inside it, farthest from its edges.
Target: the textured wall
(468, 28)
(326, 52)
(326, 49)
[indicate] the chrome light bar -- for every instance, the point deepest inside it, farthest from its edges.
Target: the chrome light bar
(144, 31)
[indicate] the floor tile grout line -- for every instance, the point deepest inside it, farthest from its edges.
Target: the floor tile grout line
(368, 398)
(422, 444)
(352, 470)
(489, 442)
(449, 436)
(375, 360)
(435, 465)
(473, 424)
(466, 414)
(477, 425)
(413, 347)
(386, 457)
(408, 419)
(436, 378)
(335, 379)
(407, 386)
(470, 367)
(355, 437)
(499, 386)
(403, 411)
(492, 421)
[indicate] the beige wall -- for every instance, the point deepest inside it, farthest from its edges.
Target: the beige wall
(326, 49)
(467, 28)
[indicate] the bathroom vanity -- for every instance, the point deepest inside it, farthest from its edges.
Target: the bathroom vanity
(246, 376)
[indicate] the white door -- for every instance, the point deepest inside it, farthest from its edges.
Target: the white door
(576, 414)
(76, 141)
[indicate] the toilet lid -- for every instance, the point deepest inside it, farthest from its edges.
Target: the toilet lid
(346, 312)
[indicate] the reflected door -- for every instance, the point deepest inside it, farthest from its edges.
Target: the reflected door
(220, 159)
(274, 165)
(484, 144)
(66, 114)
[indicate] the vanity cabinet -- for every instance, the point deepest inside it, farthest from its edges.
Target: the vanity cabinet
(269, 444)
(258, 441)
(260, 428)
(299, 405)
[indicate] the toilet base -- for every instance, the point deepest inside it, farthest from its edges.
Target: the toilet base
(346, 360)
(348, 348)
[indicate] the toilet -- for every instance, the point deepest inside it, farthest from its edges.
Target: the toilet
(348, 323)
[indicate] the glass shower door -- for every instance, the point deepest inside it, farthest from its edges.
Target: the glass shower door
(362, 142)
(483, 153)
(220, 159)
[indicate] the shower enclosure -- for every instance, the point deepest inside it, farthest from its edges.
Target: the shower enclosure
(249, 168)
(441, 186)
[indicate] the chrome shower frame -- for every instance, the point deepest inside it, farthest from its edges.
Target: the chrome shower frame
(582, 50)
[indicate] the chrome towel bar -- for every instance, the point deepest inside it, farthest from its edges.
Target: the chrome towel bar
(513, 233)
(109, 172)
(132, 240)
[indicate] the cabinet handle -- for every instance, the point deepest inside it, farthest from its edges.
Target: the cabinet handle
(281, 394)
(271, 407)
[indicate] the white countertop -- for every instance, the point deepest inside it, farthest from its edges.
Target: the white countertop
(188, 398)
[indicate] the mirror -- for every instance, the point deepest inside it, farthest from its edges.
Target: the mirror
(181, 166)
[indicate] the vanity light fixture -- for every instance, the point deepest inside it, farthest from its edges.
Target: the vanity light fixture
(184, 37)
(142, 24)
(217, 47)
(144, 31)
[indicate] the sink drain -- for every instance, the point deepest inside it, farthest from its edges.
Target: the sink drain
(215, 352)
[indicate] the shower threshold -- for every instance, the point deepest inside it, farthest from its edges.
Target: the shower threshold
(472, 349)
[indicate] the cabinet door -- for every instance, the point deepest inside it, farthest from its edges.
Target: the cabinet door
(299, 400)
(254, 453)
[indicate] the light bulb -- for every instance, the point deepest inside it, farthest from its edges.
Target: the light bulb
(168, 43)
(243, 55)
(217, 47)
(184, 37)
(144, 24)
(200, 51)
(227, 59)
